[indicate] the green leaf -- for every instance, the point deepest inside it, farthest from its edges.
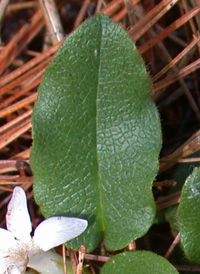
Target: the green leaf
(171, 217)
(97, 136)
(189, 216)
(183, 170)
(138, 262)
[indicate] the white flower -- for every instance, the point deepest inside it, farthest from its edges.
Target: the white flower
(18, 248)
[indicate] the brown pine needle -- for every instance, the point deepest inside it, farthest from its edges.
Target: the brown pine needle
(52, 20)
(172, 246)
(189, 147)
(172, 27)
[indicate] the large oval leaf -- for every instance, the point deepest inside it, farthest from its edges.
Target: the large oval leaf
(189, 216)
(97, 136)
(138, 262)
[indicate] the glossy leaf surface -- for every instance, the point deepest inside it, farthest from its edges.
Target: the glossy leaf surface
(97, 136)
(189, 216)
(138, 262)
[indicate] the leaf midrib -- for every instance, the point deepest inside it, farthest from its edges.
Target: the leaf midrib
(101, 214)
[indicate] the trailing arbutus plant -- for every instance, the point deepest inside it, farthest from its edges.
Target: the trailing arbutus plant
(96, 143)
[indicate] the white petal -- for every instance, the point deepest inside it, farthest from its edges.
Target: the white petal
(57, 230)
(47, 262)
(7, 241)
(14, 270)
(13, 258)
(17, 217)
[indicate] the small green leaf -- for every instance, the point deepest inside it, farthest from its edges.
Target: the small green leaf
(138, 262)
(97, 136)
(189, 216)
(171, 217)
